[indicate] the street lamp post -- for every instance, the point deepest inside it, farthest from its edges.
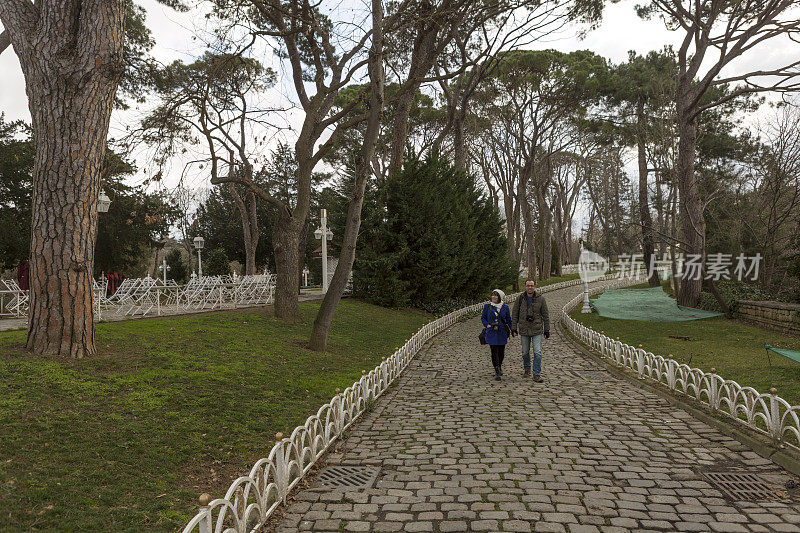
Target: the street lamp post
(164, 268)
(199, 242)
(328, 235)
(582, 264)
(103, 203)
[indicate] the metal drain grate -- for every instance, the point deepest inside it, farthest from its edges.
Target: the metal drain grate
(745, 486)
(348, 477)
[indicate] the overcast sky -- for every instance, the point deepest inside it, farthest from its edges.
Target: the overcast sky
(620, 31)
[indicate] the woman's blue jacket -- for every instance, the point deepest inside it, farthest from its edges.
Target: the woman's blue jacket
(490, 317)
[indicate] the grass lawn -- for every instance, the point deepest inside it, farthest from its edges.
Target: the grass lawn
(172, 407)
(734, 348)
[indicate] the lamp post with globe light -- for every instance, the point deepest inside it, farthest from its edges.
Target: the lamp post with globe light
(164, 268)
(199, 242)
(103, 203)
(591, 267)
(318, 233)
(581, 266)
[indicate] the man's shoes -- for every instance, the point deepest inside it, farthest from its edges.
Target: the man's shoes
(537, 378)
(526, 374)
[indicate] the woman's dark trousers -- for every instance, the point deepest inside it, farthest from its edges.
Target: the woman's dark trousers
(498, 353)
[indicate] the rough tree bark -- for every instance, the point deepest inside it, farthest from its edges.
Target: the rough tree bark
(459, 138)
(301, 250)
(71, 57)
(322, 323)
(559, 238)
(648, 242)
(286, 246)
(423, 56)
(5, 41)
(544, 175)
(248, 212)
(545, 227)
(525, 208)
(691, 206)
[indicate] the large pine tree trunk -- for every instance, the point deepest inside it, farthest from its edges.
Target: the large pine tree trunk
(511, 230)
(648, 243)
(71, 56)
(545, 227)
(400, 129)
(301, 250)
(691, 207)
(285, 238)
(422, 58)
(559, 237)
(255, 234)
(250, 232)
(459, 140)
(529, 235)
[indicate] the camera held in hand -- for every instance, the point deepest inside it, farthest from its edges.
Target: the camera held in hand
(529, 318)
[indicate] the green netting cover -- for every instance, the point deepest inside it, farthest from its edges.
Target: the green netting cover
(651, 305)
(794, 355)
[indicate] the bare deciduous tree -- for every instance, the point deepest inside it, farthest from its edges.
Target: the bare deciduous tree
(717, 32)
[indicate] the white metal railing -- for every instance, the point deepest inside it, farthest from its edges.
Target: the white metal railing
(251, 499)
(768, 414)
(13, 300)
(150, 296)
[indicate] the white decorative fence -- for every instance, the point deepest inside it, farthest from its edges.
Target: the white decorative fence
(251, 499)
(768, 414)
(13, 300)
(151, 296)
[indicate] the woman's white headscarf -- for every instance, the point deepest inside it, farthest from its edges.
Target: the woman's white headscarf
(502, 296)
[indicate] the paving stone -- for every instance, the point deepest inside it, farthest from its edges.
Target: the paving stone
(728, 527)
(452, 525)
(357, 525)
(387, 526)
(418, 526)
(459, 451)
(582, 528)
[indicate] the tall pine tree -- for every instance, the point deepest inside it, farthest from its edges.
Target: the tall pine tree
(432, 235)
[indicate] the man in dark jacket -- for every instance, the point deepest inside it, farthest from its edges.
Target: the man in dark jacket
(531, 320)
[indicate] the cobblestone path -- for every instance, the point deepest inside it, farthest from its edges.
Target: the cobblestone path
(582, 451)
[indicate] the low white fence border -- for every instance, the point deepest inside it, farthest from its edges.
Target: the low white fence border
(251, 499)
(768, 414)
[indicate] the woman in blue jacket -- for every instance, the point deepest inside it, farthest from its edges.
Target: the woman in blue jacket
(496, 318)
